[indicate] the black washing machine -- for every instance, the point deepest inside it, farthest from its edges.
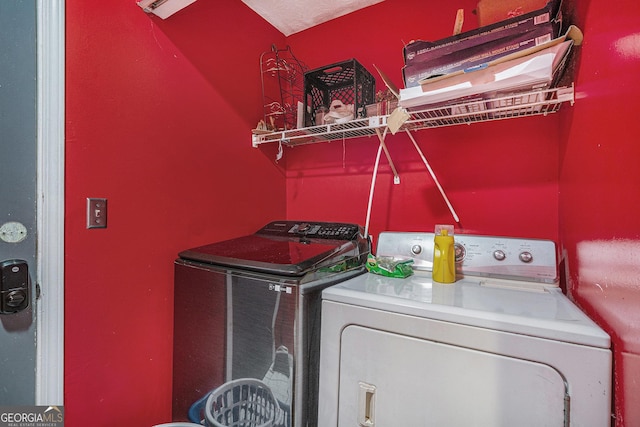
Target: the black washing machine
(249, 307)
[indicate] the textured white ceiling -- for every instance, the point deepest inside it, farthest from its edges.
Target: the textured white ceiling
(292, 16)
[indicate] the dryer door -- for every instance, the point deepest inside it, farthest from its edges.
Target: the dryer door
(393, 380)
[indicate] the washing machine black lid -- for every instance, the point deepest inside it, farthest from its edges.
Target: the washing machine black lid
(287, 249)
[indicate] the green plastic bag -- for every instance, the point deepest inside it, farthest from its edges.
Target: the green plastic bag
(389, 266)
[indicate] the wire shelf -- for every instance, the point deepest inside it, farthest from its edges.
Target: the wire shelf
(521, 104)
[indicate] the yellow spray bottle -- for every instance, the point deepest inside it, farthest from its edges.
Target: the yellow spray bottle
(444, 255)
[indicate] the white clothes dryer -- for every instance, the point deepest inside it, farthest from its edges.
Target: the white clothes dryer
(502, 346)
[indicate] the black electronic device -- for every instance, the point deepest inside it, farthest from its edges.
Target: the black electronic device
(14, 286)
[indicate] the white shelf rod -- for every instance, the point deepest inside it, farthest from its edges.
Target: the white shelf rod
(435, 179)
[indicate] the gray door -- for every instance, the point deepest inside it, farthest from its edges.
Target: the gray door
(18, 163)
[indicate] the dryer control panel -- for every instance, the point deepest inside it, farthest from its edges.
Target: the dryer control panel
(495, 256)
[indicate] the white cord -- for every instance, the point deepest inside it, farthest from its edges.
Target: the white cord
(373, 185)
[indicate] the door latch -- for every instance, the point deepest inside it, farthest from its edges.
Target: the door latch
(14, 286)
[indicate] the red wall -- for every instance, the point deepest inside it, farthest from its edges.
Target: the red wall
(501, 177)
(599, 188)
(158, 119)
(572, 177)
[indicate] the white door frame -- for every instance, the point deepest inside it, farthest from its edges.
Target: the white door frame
(50, 203)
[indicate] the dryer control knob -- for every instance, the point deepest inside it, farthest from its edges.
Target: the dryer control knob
(499, 255)
(461, 252)
(526, 257)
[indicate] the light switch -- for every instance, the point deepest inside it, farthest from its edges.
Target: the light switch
(96, 213)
